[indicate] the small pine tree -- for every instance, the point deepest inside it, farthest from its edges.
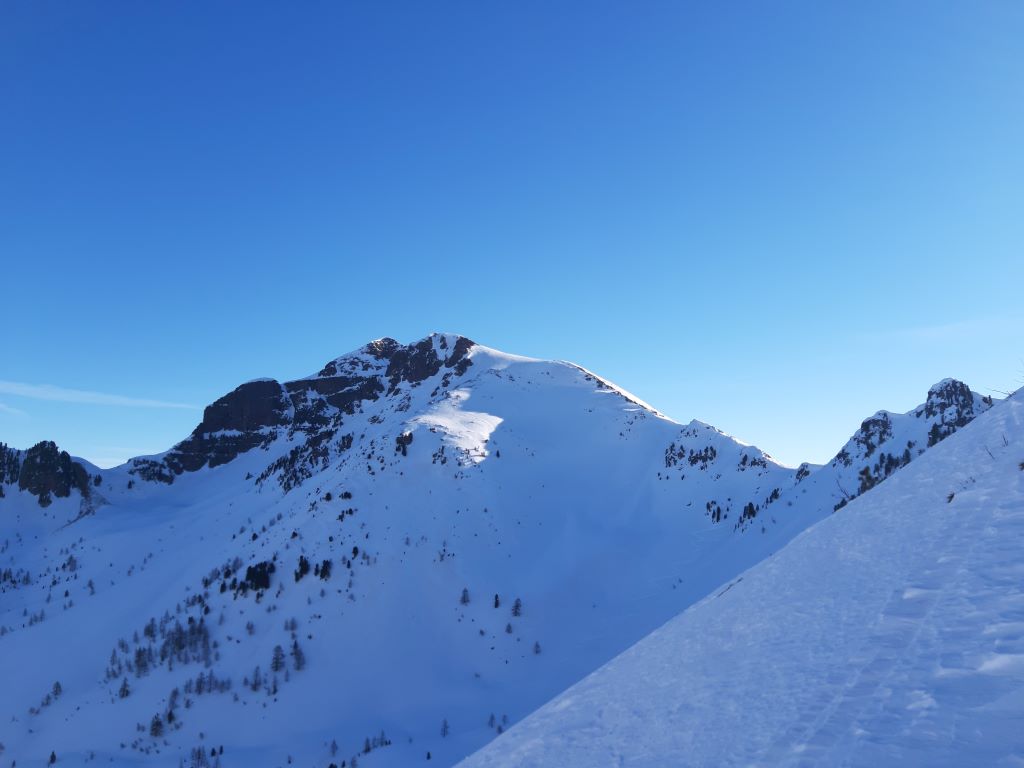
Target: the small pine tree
(277, 661)
(124, 690)
(517, 607)
(53, 758)
(464, 599)
(444, 728)
(156, 727)
(536, 647)
(298, 656)
(57, 689)
(497, 601)
(257, 679)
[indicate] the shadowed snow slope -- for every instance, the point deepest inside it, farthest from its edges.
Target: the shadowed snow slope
(891, 633)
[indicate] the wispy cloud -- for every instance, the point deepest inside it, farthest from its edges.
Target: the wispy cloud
(4, 408)
(1006, 326)
(65, 395)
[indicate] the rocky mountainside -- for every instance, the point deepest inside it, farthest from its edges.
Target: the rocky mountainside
(388, 561)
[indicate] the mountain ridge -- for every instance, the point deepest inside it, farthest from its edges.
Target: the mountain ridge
(481, 530)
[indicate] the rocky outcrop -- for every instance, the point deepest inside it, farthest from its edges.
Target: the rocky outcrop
(951, 405)
(888, 441)
(44, 471)
(257, 413)
(242, 420)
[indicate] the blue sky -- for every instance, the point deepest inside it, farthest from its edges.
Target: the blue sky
(774, 217)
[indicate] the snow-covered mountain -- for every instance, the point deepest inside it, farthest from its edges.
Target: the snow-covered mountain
(392, 559)
(891, 633)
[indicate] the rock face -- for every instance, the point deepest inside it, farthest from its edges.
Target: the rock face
(259, 412)
(888, 441)
(44, 471)
(236, 423)
(951, 404)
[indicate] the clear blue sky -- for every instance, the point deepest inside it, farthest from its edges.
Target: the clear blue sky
(774, 217)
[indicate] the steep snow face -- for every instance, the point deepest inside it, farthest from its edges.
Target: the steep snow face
(890, 633)
(433, 534)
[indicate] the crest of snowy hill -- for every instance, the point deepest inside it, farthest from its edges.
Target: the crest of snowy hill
(459, 400)
(397, 556)
(888, 634)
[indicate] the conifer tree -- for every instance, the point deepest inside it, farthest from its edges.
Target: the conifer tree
(298, 656)
(277, 662)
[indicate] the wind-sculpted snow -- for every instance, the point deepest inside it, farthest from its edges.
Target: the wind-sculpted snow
(890, 634)
(402, 554)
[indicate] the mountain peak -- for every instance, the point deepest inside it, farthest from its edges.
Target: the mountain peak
(382, 352)
(954, 402)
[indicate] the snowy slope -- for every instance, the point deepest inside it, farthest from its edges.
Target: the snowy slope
(455, 468)
(419, 474)
(891, 633)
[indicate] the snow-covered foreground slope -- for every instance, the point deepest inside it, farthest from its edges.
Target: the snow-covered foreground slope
(439, 537)
(891, 633)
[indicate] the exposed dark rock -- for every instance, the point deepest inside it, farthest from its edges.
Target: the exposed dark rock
(47, 471)
(382, 349)
(418, 362)
(238, 422)
(340, 392)
(257, 413)
(459, 358)
(950, 394)
(955, 406)
(413, 364)
(251, 406)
